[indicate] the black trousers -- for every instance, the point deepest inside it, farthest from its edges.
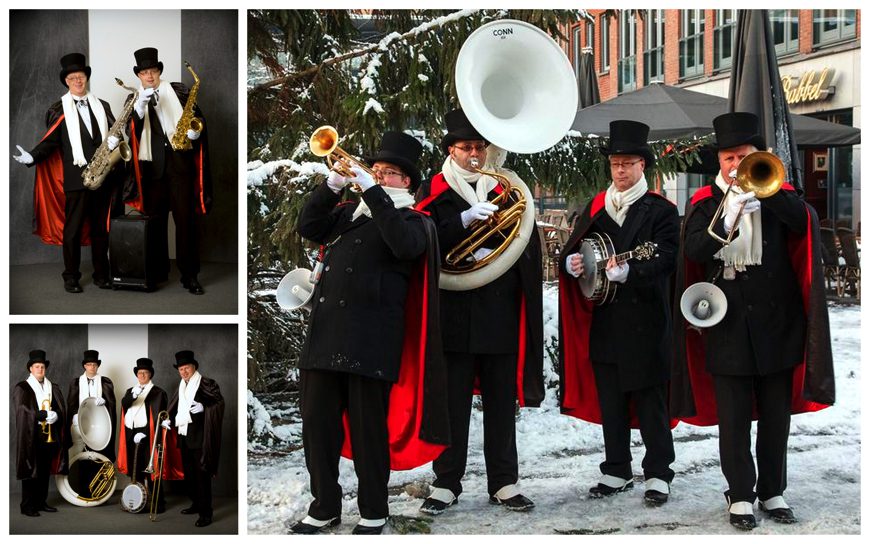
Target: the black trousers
(326, 396)
(173, 191)
(91, 206)
(141, 461)
(196, 479)
(735, 398)
(498, 388)
(650, 405)
(34, 491)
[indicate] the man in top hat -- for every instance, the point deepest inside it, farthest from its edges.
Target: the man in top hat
(619, 352)
(770, 356)
(140, 408)
(40, 418)
(492, 334)
(91, 384)
(372, 352)
(77, 124)
(196, 412)
(169, 180)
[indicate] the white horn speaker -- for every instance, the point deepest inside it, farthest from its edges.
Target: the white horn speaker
(516, 86)
(295, 290)
(703, 304)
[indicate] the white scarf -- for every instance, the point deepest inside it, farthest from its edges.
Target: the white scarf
(169, 110)
(137, 416)
(401, 199)
(186, 392)
(617, 203)
(71, 115)
(83, 387)
(41, 390)
(745, 249)
(461, 181)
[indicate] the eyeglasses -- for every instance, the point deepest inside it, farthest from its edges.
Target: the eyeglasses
(468, 148)
(386, 172)
(76, 78)
(624, 165)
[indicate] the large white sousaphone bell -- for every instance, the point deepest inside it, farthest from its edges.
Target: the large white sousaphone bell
(703, 305)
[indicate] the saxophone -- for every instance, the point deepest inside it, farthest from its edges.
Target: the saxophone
(180, 141)
(104, 160)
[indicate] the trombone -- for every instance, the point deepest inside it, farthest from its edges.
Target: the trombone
(324, 143)
(160, 450)
(761, 172)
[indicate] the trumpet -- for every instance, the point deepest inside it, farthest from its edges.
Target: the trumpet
(46, 427)
(160, 449)
(324, 143)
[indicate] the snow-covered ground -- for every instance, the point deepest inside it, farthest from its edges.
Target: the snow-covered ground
(559, 459)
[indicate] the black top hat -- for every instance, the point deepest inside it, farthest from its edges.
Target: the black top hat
(37, 356)
(737, 128)
(629, 138)
(404, 151)
(146, 58)
(185, 357)
(458, 128)
(91, 356)
(73, 62)
(144, 364)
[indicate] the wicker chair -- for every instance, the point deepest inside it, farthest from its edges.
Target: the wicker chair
(831, 259)
(852, 269)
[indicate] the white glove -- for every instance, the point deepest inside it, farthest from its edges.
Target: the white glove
(616, 272)
(196, 407)
(51, 417)
(734, 212)
(25, 157)
(336, 181)
(136, 391)
(142, 102)
(138, 438)
(113, 142)
(575, 265)
(363, 178)
(479, 211)
(99, 401)
(192, 134)
(75, 421)
(166, 424)
(481, 253)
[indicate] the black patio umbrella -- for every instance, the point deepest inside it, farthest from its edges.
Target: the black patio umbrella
(756, 87)
(587, 81)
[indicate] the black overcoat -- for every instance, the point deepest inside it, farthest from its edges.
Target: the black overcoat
(206, 427)
(27, 429)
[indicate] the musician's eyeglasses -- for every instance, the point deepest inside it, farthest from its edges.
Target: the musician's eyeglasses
(624, 164)
(468, 148)
(75, 78)
(386, 172)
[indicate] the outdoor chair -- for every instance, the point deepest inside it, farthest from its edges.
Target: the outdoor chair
(831, 259)
(852, 269)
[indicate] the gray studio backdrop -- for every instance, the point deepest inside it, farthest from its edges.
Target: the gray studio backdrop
(214, 346)
(37, 41)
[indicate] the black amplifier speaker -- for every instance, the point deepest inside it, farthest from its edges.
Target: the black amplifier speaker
(135, 243)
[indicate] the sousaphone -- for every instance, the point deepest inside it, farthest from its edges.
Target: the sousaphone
(91, 478)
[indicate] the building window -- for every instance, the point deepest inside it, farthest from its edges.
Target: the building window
(590, 34)
(833, 25)
(605, 43)
(692, 43)
(784, 27)
(627, 67)
(654, 46)
(578, 51)
(723, 38)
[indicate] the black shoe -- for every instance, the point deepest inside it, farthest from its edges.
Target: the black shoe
(744, 522)
(655, 498)
(365, 530)
(193, 286)
(600, 490)
(72, 286)
(302, 528)
(517, 503)
(779, 515)
(47, 508)
(161, 508)
(103, 284)
(30, 513)
(435, 507)
(190, 510)
(203, 522)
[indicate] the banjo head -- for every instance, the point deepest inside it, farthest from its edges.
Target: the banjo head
(593, 250)
(134, 497)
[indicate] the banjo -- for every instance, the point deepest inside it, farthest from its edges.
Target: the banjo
(595, 252)
(135, 495)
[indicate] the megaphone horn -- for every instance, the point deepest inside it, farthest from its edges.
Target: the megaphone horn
(295, 290)
(703, 305)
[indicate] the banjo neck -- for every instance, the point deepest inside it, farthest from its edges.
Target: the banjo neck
(620, 259)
